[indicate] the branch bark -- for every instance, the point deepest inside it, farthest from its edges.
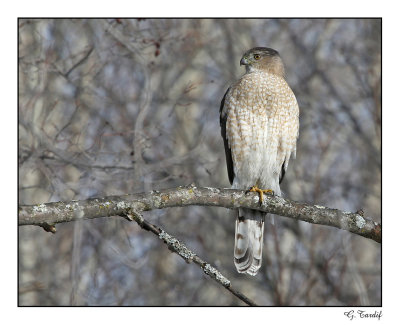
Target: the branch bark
(47, 215)
(179, 248)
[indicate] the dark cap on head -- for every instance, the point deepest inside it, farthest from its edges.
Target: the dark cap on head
(263, 50)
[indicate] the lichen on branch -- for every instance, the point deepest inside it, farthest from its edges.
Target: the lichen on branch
(47, 215)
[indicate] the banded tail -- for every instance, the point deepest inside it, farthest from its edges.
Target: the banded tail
(249, 233)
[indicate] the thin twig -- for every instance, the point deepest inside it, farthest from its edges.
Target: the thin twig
(179, 248)
(79, 62)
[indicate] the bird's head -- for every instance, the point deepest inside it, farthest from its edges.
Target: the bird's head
(263, 59)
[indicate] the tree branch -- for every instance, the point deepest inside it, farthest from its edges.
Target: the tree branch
(179, 248)
(47, 215)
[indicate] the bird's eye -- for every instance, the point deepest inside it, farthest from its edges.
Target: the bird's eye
(257, 56)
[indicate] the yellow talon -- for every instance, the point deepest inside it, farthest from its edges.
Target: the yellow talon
(261, 192)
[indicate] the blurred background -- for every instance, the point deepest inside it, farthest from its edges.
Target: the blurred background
(116, 106)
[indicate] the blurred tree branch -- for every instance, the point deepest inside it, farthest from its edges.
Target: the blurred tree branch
(47, 215)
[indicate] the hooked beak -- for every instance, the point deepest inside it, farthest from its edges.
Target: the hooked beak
(244, 61)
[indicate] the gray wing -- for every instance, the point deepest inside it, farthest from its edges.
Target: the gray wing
(228, 154)
(283, 172)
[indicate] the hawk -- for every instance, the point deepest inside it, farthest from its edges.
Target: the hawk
(259, 118)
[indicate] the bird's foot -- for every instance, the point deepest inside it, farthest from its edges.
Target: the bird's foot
(261, 192)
